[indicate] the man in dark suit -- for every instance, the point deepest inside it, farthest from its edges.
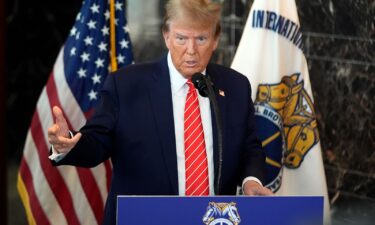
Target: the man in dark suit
(141, 120)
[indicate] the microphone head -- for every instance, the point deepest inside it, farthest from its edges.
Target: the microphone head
(199, 81)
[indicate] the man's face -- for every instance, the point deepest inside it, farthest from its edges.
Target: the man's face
(190, 45)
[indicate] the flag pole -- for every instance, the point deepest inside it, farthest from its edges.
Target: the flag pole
(25, 199)
(113, 36)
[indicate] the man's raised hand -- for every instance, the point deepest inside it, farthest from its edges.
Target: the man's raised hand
(58, 133)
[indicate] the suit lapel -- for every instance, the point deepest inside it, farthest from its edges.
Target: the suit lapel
(217, 81)
(161, 100)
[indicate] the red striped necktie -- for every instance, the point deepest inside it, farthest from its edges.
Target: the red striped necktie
(196, 167)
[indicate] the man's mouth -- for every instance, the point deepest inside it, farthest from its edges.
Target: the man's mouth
(191, 63)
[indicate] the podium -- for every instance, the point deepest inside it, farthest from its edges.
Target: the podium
(219, 210)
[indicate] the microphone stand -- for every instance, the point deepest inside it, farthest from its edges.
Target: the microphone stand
(205, 88)
(212, 97)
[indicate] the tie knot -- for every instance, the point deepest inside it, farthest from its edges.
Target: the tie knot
(189, 82)
(191, 85)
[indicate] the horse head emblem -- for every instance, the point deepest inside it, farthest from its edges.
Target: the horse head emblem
(291, 101)
(221, 213)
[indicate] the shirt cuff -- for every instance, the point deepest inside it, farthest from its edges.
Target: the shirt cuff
(249, 179)
(55, 156)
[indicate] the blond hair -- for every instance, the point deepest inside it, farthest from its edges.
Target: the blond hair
(204, 12)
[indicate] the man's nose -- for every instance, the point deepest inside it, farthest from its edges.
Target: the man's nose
(191, 47)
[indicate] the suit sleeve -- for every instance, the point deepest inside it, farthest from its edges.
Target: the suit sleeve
(96, 143)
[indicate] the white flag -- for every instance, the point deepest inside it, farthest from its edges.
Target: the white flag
(270, 54)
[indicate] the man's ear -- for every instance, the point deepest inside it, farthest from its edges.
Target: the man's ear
(166, 38)
(216, 42)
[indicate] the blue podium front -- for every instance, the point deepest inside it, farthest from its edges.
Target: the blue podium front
(231, 210)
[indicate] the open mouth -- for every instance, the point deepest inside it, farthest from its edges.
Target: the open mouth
(191, 63)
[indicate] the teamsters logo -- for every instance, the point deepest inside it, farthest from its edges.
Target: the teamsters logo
(286, 124)
(221, 214)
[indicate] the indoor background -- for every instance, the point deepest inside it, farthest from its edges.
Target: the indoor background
(339, 42)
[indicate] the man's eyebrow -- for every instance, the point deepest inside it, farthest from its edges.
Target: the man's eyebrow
(197, 36)
(179, 34)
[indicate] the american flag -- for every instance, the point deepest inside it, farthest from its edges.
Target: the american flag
(66, 194)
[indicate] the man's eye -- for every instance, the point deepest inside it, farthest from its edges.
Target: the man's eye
(180, 40)
(201, 40)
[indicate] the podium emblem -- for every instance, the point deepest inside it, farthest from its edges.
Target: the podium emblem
(221, 214)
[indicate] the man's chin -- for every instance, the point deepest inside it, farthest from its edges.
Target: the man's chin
(188, 73)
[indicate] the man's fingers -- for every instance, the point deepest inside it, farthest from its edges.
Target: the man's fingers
(64, 145)
(76, 138)
(253, 188)
(263, 191)
(57, 113)
(53, 134)
(60, 119)
(69, 142)
(60, 140)
(58, 133)
(53, 130)
(62, 125)
(268, 192)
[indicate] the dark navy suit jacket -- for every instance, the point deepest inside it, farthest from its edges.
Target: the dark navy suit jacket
(133, 124)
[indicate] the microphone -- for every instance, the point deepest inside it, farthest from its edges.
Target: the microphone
(205, 88)
(200, 83)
